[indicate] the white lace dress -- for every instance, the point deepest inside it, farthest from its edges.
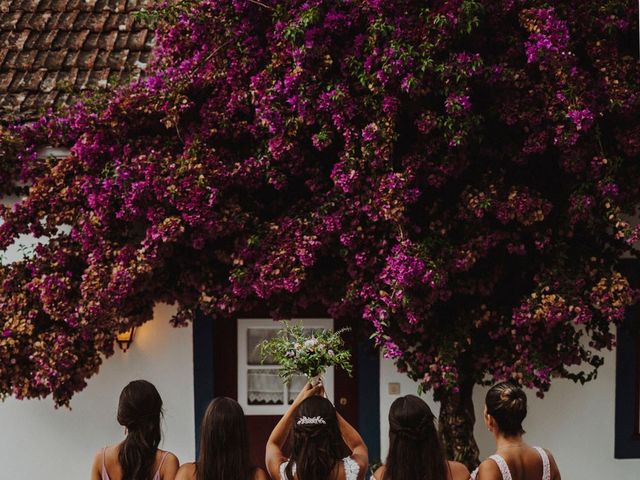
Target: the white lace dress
(351, 469)
(504, 468)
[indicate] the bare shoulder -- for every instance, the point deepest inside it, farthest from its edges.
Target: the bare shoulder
(171, 459)
(458, 471)
(96, 465)
(260, 474)
(489, 470)
(379, 473)
(186, 472)
(555, 471)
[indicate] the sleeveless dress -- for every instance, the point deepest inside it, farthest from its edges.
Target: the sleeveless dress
(105, 475)
(351, 469)
(504, 468)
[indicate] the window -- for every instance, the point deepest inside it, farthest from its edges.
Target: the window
(261, 391)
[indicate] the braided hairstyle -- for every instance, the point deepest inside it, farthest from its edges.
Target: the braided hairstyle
(140, 411)
(316, 447)
(415, 449)
(507, 403)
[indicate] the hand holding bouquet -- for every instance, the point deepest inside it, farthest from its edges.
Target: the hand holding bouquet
(303, 353)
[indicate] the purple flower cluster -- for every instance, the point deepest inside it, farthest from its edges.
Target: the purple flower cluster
(459, 175)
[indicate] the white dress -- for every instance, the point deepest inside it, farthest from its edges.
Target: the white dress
(351, 469)
(504, 468)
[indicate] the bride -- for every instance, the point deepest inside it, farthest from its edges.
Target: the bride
(319, 435)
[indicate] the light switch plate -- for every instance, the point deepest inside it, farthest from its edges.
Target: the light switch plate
(394, 388)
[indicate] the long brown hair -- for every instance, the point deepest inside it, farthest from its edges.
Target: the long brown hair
(316, 446)
(415, 450)
(224, 443)
(140, 411)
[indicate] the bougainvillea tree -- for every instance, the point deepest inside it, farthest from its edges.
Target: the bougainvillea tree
(458, 175)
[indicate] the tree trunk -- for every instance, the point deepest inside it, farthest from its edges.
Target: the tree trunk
(456, 421)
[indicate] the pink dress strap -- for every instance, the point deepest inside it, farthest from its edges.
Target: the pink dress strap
(157, 475)
(105, 475)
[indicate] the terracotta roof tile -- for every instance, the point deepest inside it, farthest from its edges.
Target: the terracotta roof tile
(38, 21)
(18, 39)
(27, 5)
(66, 78)
(45, 40)
(136, 40)
(17, 82)
(60, 39)
(82, 79)
(23, 21)
(5, 81)
(65, 20)
(87, 5)
(49, 82)
(52, 50)
(33, 79)
(101, 60)
(43, 6)
(70, 58)
(75, 40)
(80, 21)
(9, 20)
(41, 59)
(30, 101)
(32, 40)
(86, 59)
(121, 41)
(107, 41)
(98, 78)
(58, 5)
(73, 5)
(55, 59)
(10, 60)
(25, 59)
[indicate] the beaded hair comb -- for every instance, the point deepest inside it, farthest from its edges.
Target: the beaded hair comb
(311, 421)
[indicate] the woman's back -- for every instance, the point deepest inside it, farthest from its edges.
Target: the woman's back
(455, 471)
(345, 469)
(518, 463)
(106, 465)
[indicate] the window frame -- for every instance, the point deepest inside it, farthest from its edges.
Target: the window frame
(244, 324)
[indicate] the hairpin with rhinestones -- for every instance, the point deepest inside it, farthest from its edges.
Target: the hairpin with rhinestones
(311, 421)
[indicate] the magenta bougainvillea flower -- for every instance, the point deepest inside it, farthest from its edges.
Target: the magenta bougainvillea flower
(459, 176)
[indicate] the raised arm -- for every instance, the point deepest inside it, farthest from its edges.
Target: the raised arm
(352, 438)
(273, 455)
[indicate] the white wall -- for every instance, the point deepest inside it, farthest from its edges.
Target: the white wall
(38, 441)
(575, 422)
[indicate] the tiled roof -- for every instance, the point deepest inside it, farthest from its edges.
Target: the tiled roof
(52, 50)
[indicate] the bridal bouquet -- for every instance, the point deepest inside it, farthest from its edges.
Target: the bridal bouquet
(310, 354)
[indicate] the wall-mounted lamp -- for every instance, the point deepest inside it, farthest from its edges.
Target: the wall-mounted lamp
(125, 338)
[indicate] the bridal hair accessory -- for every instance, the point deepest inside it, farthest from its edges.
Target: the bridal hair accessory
(311, 421)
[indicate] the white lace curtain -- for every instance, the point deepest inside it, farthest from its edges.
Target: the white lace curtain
(265, 387)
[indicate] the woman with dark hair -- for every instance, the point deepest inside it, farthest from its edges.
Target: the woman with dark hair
(224, 446)
(137, 457)
(415, 450)
(505, 409)
(323, 446)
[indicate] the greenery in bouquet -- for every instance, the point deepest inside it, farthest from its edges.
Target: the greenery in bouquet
(299, 350)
